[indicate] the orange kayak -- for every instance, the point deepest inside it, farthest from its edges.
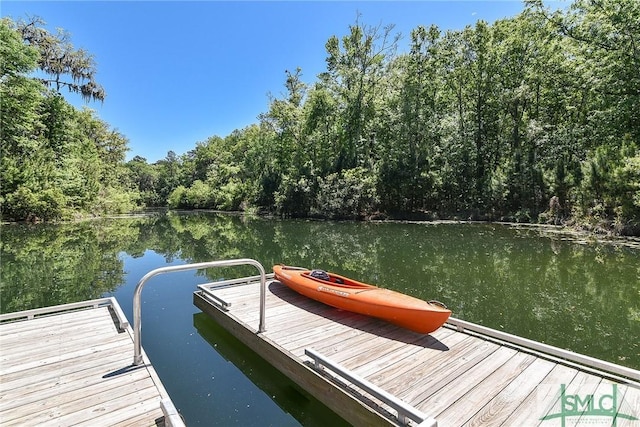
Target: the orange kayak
(351, 295)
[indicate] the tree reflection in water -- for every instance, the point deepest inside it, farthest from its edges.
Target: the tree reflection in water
(543, 286)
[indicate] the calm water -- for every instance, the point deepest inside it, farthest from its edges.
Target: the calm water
(584, 296)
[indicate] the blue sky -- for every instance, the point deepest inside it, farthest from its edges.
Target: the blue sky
(176, 73)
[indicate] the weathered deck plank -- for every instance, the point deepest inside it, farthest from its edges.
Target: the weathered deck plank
(396, 353)
(74, 368)
(53, 381)
(492, 399)
(541, 399)
(423, 379)
(53, 330)
(457, 377)
(21, 375)
(630, 406)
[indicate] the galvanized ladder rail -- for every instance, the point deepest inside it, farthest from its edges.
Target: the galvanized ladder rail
(405, 411)
(123, 324)
(137, 310)
(577, 360)
(209, 288)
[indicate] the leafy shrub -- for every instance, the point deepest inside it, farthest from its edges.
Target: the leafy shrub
(347, 195)
(294, 196)
(230, 195)
(116, 201)
(198, 196)
(43, 205)
(610, 188)
(177, 198)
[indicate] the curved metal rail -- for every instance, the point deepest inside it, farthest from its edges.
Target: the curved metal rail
(137, 311)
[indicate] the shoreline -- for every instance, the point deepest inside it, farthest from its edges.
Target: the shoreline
(579, 235)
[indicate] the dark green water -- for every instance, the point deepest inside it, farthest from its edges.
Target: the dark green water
(583, 296)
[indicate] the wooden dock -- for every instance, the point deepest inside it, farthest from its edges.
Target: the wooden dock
(462, 374)
(72, 365)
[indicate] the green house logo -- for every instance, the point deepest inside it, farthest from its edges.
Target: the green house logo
(590, 407)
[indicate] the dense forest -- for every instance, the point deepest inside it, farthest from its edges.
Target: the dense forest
(534, 118)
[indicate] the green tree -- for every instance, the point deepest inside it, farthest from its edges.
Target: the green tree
(350, 194)
(285, 120)
(19, 110)
(259, 171)
(606, 33)
(409, 146)
(610, 190)
(320, 127)
(169, 174)
(599, 104)
(56, 160)
(145, 177)
(58, 58)
(356, 67)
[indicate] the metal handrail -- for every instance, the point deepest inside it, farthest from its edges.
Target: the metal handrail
(546, 349)
(405, 411)
(123, 323)
(137, 311)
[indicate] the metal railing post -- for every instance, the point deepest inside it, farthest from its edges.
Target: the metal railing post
(137, 310)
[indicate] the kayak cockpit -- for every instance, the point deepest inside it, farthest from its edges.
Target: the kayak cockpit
(335, 280)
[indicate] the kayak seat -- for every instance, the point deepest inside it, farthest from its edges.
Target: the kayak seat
(323, 275)
(320, 274)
